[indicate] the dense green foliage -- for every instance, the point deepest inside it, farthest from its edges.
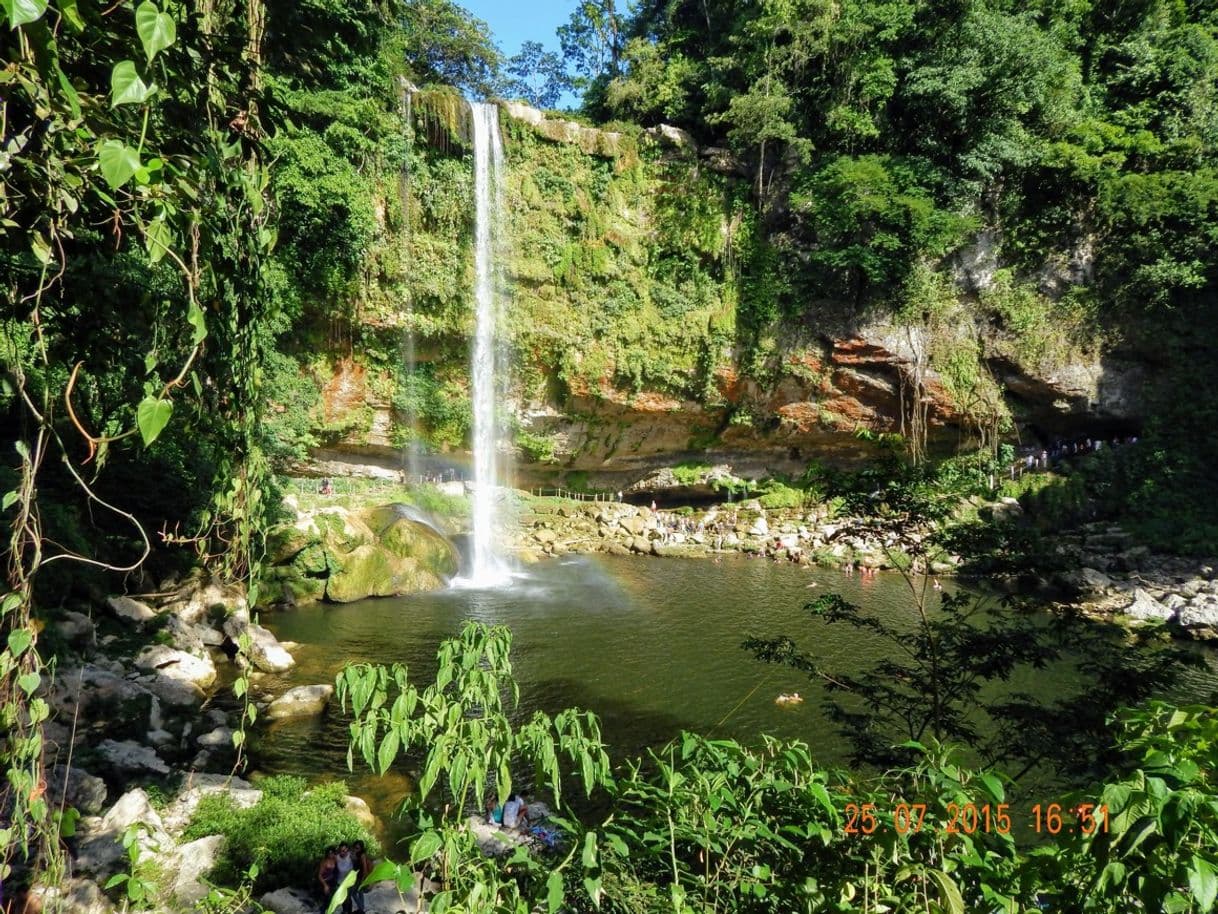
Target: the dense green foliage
(1070, 124)
(284, 833)
(709, 825)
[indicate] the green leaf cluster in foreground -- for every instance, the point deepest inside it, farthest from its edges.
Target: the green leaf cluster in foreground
(710, 825)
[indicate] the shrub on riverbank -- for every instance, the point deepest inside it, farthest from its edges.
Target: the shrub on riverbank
(285, 832)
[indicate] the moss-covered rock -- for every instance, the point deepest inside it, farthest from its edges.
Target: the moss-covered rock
(342, 555)
(311, 560)
(286, 540)
(374, 571)
(408, 537)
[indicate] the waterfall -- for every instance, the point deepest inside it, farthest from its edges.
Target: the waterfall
(411, 458)
(487, 569)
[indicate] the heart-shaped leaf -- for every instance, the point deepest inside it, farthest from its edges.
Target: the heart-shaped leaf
(29, 682)
(126, 86)
(152, 415)
(157, 30)
(118, 162)
(19, 640)
(22, 11)
(194, 316)
(157, 239)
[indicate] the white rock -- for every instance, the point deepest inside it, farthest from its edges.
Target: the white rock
(127, 608)
(362, 812)
(177, 665)
(219, 738)
(189, 863)
(491, 839)
(1174, 602)
(761, 527)
(1146, 608)
(266, 653)
(301, 701)
(74, 896)
(101, 851)
(199, 603)
(1200, 618)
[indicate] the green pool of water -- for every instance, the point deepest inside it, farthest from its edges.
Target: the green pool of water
(650, 645)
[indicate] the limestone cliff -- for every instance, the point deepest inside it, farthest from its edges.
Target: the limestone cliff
(642, 331)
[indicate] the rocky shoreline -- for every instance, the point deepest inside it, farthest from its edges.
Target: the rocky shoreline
(138, 702)
(547, 527)
(1116, 579)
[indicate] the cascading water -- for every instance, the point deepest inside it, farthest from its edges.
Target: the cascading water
(487, 568)
(412, 457)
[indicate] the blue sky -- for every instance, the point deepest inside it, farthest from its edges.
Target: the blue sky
(514, 23)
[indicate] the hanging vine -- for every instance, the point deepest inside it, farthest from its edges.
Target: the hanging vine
(114, 161)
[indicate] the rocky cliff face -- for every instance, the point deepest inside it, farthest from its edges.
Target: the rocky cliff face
(627, 291)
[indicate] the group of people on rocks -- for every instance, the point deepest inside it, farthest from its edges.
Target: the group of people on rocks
(337, 862)
(670, 525)
(1046, 458)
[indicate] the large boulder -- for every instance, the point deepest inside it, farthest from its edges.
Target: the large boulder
(265, 651)
(197, 671)
(373, 571)
(302, 701)
(408, 537)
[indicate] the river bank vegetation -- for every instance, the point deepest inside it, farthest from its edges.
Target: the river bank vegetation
(237, 231)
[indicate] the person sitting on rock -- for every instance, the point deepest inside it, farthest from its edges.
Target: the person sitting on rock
(514, 813)
(494, 812)
(344, 863)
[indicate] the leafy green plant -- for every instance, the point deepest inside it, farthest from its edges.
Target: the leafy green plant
(138, 887)
(460, 726)
(284, 833)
